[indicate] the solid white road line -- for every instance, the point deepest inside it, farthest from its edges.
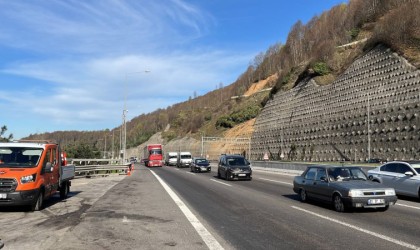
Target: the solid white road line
(207, 237)
(282, 182)
(190, 173)
(381, 236)
(221, 182)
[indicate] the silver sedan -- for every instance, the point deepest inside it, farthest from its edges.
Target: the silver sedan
(403, 176)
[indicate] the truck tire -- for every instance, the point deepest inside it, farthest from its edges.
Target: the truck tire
(64, 190)
(39, 203)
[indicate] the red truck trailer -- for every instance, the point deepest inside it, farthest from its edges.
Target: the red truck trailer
(153, 155)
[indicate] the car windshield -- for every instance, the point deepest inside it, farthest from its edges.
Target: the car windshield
(185, 156)
(346, 174)
(416, 167)
(236, 161)
(200, 161)
(14, 157)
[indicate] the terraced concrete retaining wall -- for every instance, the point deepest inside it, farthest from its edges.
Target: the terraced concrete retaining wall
(377, 99)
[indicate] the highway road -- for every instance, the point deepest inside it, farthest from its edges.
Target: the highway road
(265, 214)
(171, 208)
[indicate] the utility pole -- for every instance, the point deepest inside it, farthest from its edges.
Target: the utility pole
(368, 123)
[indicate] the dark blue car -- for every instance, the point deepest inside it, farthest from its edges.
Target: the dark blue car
(200, 165)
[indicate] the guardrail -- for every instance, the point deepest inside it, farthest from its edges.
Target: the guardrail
(301, 166)
(88, 161)
(101, 170)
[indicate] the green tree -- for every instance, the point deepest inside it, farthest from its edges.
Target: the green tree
(2, 132)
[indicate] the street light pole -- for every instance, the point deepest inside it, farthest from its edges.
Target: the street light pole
(105, 148)
(124, 123)
(368, 123)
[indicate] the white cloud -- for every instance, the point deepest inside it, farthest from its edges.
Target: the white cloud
(82, 55)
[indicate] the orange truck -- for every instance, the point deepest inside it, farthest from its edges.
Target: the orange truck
(31, 172)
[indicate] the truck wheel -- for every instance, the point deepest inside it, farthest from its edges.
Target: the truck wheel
(37, 206)
(64, 191)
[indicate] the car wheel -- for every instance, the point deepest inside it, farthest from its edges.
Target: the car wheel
(39, 202)
(219, 175)
(227, 176)
(338, 203)
(302, 195)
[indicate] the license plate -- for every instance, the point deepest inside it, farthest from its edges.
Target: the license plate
(376, 201)
(3, 196)
(241, 174)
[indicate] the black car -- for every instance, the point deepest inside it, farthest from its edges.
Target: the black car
(344, 187)
(200, 165)
(234, 167)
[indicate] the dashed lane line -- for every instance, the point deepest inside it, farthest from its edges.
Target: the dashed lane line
(404, 205)
(207, 237)
(221, 182)
(282, 182)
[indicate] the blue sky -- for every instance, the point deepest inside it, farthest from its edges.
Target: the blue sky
(71, 64)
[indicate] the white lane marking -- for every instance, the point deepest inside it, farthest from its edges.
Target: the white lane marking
(399, 204)
(264, 171)
(221, 182)
(381, 236)
(190, 173)
(282, 182)
(125, 220)
(177, 169)
(207, 237)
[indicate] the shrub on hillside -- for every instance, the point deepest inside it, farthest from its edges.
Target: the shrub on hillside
(237, 117)
(321, 68)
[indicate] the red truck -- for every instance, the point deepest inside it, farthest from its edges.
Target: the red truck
(31, 172)
(153, 155)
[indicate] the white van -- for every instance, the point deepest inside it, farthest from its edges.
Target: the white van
(171, 158)
(184, 160)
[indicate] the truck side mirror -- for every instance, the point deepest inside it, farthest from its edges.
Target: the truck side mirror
(48, 167)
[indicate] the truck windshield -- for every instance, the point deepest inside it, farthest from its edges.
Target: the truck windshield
(15, 157)
(155, 152)
(185, 156)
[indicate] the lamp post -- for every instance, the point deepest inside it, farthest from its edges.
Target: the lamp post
(368, 123)
(124, 123)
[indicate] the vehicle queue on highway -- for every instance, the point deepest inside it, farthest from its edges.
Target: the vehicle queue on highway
(344, 187)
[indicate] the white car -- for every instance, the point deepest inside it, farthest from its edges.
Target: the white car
(403, 176)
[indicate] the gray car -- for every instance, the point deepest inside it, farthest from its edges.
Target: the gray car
(234, 167)
(344, 187)
(403, 176)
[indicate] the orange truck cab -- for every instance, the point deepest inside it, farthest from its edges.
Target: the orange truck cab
(31, 172)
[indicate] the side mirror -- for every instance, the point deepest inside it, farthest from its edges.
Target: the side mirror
(409, 173)
(324, 179)
(48, 167)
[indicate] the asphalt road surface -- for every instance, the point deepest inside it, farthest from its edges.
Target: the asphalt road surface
(171, 208)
